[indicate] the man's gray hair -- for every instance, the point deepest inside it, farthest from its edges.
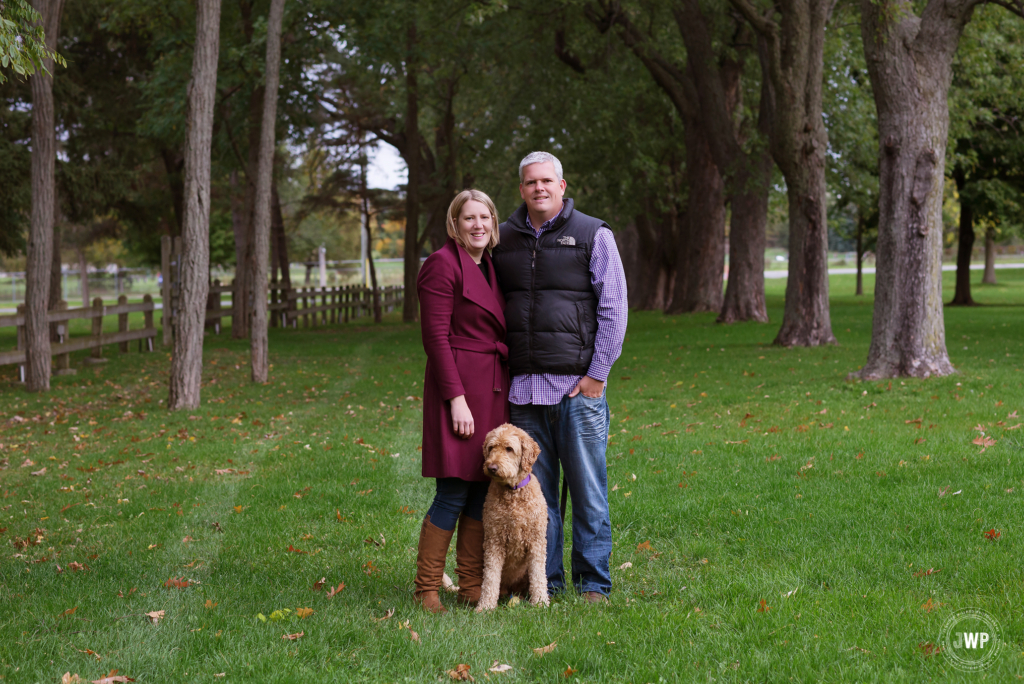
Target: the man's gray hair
(540, 158)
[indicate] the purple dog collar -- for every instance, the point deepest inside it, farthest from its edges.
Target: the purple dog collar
(523, 483)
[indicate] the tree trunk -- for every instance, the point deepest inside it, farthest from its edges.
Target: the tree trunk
(194, 262)
(40, 234)
(962, 295)
(174, 164)
(744, 292)
(647, 246)
(909, 60)
(83, 276)
(701, 248)
(239, 313)
(410, 306)
(244, 269)
(990, 258)
(56, 295)
(259, 353)
(860, 254)
(792, 56)
(280, 239)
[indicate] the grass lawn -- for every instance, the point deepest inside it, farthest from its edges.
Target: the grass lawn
(782, 524)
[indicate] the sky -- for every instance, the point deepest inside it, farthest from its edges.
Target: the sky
(387, 170)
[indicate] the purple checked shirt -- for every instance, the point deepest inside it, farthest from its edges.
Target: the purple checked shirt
(609, 282)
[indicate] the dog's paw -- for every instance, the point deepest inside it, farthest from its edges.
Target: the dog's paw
(541, 601)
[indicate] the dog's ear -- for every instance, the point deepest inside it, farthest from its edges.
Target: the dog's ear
(531, 450)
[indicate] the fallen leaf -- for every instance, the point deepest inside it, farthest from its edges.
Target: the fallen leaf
(499, 668)
(38, 473)
(790, 593)
(929, 649)
(387, 615)
(461, 673)
(983, 441)
(303, 613)
(569, 672)
(75, 566)
(292, 549)
(644, 546)
(69, 611)
(113, 678)
(414, 636)
(625, 566)
(69, 678)
(331, 593)
(280, 614)
(929, 605)
(220, 674)
(925, 573)
(993, 534)
(546, 649)
(187, 539)
(176, 582)
(293, 637)
(317, 586)
(763, 607)
(156, 616)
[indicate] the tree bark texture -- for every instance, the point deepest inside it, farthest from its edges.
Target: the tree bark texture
(860, 254)
(259, 354)
(793, 51)
(701, 247)
(238, 225)
(244, 269)
(909, 59)
(56, 276)
(410, 306)
(194, 262)
(40, 234)
(990, 259)
(964, 250)
(652, 267)
(746, 169)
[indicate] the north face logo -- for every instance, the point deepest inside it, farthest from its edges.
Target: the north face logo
(568, 240)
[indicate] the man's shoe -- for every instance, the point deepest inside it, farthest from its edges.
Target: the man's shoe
(594, 597)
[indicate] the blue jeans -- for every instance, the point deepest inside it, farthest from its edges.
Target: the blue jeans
(454, 497)
(573, 434)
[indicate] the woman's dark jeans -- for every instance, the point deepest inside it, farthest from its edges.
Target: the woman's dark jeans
(454, 497)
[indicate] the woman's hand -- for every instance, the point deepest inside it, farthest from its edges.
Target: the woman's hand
(462, 417)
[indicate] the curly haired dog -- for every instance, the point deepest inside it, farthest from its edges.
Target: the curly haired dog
(515, 518)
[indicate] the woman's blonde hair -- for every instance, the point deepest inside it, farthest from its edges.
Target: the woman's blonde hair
(455, 209)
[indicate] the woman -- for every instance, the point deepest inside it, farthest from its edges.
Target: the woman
(465, 393)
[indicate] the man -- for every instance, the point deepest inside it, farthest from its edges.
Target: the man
(566, 314)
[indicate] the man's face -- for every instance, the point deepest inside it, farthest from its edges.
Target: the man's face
(541, 189)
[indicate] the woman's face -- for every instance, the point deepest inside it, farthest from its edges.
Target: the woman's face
(475, 225)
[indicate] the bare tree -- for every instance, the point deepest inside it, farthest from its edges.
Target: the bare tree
(40, 234)
(259, 353)
(194, 269)
(910, 58)
(795, 53)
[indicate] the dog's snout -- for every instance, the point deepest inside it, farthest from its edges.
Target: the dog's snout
(492, 468)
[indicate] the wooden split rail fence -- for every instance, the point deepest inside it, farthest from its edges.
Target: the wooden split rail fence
(62, 316)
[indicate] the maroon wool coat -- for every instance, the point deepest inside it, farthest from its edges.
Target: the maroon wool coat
(463, 324)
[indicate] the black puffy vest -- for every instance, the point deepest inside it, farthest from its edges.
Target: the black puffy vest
(550, 305)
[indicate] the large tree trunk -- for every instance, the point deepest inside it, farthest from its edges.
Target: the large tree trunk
(792, 55)
(647, 246)
(701, 248)
(56, 277)
(259, 353)
(194, 262)
(909, 60)
(40, 235)
(990, 258)
(174, 164)
(410, 306)
(965, 247)
(744, 292)
(280, 239)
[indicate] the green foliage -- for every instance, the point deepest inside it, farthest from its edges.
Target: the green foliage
(22, 44)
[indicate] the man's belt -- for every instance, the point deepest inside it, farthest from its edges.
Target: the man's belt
(498, 349)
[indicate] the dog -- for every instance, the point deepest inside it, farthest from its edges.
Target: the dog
(515, 518)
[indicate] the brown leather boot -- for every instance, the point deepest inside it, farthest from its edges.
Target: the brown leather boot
(469, 559)
(433, 548)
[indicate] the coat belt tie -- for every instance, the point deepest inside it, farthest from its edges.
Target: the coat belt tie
(498, 349)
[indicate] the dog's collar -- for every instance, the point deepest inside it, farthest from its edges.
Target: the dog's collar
(522, 484)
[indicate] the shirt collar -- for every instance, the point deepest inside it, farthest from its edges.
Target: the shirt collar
(547, 224)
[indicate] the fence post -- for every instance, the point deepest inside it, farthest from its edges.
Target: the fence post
(122, 323)
(97, 332)
(305, 305)
(148, 299)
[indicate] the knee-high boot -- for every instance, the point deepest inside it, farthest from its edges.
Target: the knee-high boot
(469, 559)
(433, 548)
